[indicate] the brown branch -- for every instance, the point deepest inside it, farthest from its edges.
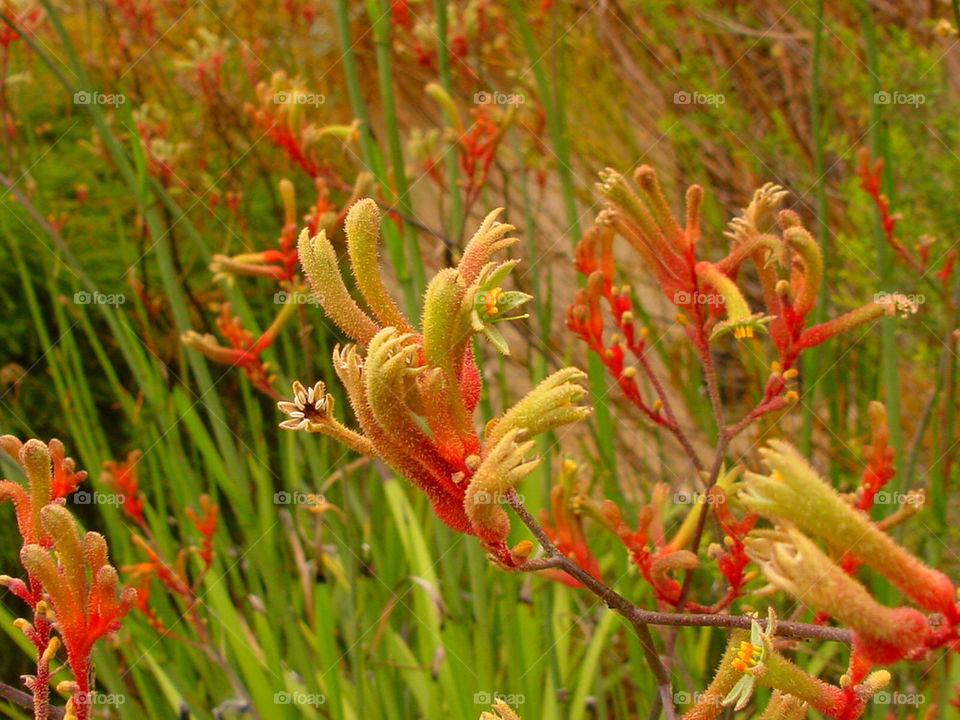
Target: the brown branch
(640, 618)
(25, 700)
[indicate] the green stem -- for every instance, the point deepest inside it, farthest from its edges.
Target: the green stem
(880, 147)
(372, 158)
(455, 222)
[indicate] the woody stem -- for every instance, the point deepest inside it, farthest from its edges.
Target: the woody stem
(640, 618)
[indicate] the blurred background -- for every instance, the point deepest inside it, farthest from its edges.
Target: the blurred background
(158, 158)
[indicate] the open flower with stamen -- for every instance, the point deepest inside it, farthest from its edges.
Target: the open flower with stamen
(309, 409)
(414, 389)
(758, 663)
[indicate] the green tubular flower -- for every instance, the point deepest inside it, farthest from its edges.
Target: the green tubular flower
(784, 707)
(502, 467)
(319, 261)
(807, 270)
(740, 321)
(793, 563)
(759, 216)
(446, 327)
(747, 659)
(363, 244)
(793, 490)
(709, 704)
(489, 238)
(547, 406)
(59, 523)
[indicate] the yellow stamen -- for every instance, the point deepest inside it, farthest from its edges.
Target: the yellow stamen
(493, 297)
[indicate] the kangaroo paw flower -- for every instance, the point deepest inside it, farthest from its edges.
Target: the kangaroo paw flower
(794, 563)
(793, 490)
(414, 390)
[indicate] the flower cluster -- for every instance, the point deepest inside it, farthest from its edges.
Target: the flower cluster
(174, 576)
(414, 389)
(281, 111)
(707, 296)
(568, 505)
(243, 349)
(752, 660)
(802, 505)
(658, 558)
(71, 587)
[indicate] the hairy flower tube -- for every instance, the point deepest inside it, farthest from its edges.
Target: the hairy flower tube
(82, 589)
(793, 563)
(566, 532)
(414, 389)
(73, 590)
(794, 491)
(751, 660)
(501, 711)
(707, 294)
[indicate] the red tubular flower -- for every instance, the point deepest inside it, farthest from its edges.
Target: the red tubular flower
(280, 113)
(879, 456)
(414, 389)
(206, 525)
(122, 478)
(78, 582)
(567, 529)
(82, 589)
